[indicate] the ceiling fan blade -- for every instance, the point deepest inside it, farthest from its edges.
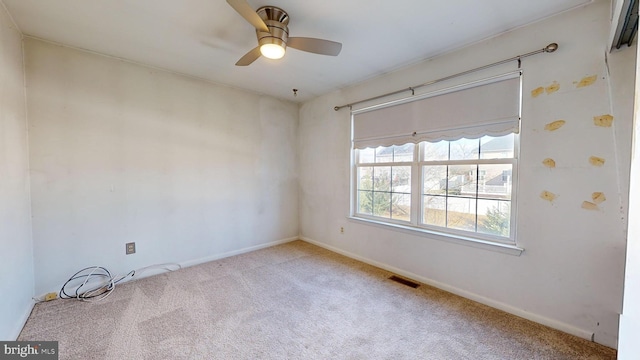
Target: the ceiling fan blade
(246, 11)
(313, 45)
(249, 57)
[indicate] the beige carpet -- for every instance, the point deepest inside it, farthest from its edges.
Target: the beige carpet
(293, 301)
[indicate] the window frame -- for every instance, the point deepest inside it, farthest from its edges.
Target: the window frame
(513, 161)
(354, 188)
(417, 198)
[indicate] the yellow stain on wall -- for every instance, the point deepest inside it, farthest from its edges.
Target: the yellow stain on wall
(552, 88)
(598, 197)
(587, 205)
(603, 120)
(596, 161)
(553, 126)
(548, 162)
(537, 92)
(547, 195)
(587, 81)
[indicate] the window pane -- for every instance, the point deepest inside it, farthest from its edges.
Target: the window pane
(401, 196)
(365, 156)
(401, 179)
(384, 154)
(434, 180)
(382, 178)
(497, 147)
(403, 152)
(401, 206)
(435, 151)
(382, 204)
(365, 178)
(494, 217)
(462, 180)
(365, 202)
(495, 181)
(435, 212)
(461, 213)
(465, 149)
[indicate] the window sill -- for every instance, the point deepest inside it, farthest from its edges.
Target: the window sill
(467, 241)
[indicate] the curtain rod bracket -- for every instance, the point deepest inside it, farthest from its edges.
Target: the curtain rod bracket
(547, 49)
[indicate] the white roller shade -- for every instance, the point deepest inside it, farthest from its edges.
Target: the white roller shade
(490, 107)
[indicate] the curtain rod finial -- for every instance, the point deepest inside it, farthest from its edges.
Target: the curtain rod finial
(336, 108)
(551, 48)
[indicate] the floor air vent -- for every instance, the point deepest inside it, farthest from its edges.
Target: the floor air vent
(404, 281)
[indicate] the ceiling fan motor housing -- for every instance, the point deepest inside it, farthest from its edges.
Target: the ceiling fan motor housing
(271, 24)
(276, 20)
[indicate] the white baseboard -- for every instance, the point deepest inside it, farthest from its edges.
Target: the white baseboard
(184, 264)
(22, 321)
(558, 325)
(194, 262)
(203, 260)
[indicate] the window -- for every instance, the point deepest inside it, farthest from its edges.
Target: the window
(444, 163)
(465, 186)
(384, 182)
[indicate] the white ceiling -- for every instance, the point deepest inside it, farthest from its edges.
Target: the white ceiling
(205, 38)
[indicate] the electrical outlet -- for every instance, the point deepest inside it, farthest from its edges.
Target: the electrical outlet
(341, 230)
(131, 248)
(50, 296)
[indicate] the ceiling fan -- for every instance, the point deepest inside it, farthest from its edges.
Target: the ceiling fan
(273, 34)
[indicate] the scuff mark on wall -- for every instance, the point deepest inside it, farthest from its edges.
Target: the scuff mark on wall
(587, 81)
(596, 161)
(553, 126)
(587, 205)
(555, 86)
(598, 197)
(547, 195)
(548, 162)
(603, 120)
(537, 92)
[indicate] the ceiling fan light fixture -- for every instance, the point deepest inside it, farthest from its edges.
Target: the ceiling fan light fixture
(271, 24)
(272, 51)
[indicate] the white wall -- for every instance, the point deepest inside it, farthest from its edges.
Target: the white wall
(628, 346)
(187, 169)
(16, 257)
(570, 274)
